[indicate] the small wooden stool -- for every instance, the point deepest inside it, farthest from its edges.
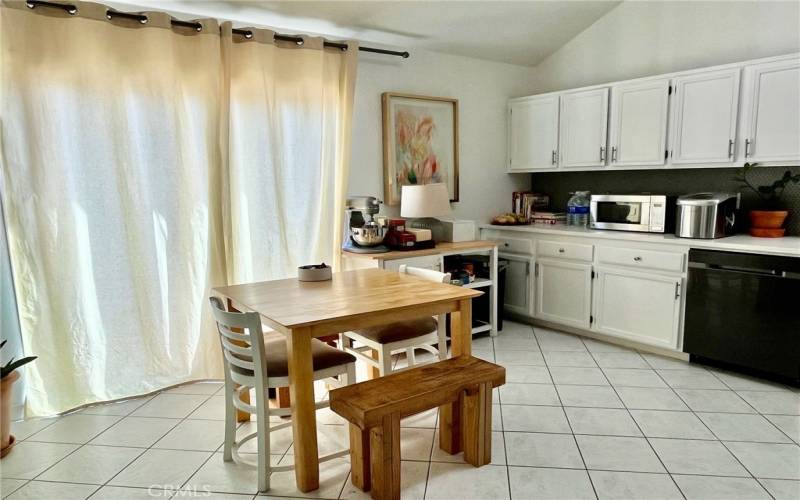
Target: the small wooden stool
(462, 386)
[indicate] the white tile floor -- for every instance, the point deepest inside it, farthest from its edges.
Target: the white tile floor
(577, 419)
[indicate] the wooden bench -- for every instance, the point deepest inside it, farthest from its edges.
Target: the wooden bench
(461, 386)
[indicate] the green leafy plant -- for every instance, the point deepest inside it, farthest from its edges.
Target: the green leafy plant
(769, 194)
(13, 365)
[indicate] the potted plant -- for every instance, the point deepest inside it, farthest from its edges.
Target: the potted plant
(8, 375)
(767, 221)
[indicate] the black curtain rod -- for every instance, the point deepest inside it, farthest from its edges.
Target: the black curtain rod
(110, 14)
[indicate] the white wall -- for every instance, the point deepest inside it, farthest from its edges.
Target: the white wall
(482, 89)
(648, 38)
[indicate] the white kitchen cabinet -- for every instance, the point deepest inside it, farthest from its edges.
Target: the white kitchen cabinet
(638, 306)
(704, 113)
(639, 123)
(533, 133)
(563, 292)
(518, 297)
(583, 128)
(772, 126)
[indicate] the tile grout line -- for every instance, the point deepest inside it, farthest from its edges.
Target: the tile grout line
(637, 423)
(502, 424)
(758, 412)
(80, 445)
(180, 421)
(569, 424)
(752, 476)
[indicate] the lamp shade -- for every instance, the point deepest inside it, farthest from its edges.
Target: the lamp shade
(424, 200)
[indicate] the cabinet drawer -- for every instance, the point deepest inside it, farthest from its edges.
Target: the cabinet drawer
(424, 262)
(562, 250)
(521, 246)
(633, 258)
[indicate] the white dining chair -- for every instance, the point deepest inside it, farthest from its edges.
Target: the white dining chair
(254, 359)
(420, 333)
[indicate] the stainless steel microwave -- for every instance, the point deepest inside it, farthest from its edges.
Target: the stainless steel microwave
(630, 212)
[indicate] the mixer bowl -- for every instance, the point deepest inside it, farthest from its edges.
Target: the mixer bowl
(367, 236)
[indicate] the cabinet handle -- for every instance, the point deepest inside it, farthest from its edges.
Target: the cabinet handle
(730, 148)
(747, 143)
(637, 259)
(536, 269)
(561, 250)
(528, 268)
(554, 157)
(602, 153)
(677, 290)
(614, 153)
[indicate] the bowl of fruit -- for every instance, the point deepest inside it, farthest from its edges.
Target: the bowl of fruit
(510, 220)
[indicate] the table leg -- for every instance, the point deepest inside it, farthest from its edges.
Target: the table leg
(461, 328)
(461, 345)
(304, 421)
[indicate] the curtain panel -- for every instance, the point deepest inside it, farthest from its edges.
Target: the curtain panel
(141, 167)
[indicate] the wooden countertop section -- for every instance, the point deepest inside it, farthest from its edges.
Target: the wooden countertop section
(443, 247)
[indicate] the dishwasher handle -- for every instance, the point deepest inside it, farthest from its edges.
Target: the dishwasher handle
(774, 273)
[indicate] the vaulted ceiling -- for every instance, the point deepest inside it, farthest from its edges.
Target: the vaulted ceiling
(521, 32)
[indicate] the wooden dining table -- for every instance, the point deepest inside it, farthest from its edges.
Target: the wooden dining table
(351, 300)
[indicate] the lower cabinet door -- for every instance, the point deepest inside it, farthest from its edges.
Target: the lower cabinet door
(638, 306)
(517, 296)
(564, 292)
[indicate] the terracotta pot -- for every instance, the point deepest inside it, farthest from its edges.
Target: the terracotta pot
(767, 219)
(6, 385)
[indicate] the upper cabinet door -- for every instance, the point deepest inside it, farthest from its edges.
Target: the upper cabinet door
(704, 117)
(533, 133)
(639, 123)
(584, 124)
(773, 125)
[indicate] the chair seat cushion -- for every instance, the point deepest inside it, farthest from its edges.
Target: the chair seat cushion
(324, 356)
(402, 330)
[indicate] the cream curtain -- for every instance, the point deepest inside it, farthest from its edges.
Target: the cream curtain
(125, 203)
(290, 114)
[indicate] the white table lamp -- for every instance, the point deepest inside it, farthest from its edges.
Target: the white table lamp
(424, 202)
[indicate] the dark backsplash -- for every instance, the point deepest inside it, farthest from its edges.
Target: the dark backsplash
(671, 182)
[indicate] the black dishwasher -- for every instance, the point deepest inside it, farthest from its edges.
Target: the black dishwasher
(743, 311)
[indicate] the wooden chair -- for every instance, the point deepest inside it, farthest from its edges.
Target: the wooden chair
(374, 409)
(257, 360)
(420, 333)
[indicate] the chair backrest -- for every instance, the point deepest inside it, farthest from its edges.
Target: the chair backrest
(426, 274)
(243, 353)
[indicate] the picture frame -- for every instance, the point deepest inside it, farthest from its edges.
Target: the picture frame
(420, 143)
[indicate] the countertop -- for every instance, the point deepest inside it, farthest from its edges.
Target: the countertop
(788, 246)
(440, 248)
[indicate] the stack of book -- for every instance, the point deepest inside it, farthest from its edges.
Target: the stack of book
(549, 217)
(525, 203)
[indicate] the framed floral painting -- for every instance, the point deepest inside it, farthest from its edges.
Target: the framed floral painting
(420, 143)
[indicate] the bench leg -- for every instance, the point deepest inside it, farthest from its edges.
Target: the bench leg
(476, 408)
(450, 428)
(359, 458)
(385, 458)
